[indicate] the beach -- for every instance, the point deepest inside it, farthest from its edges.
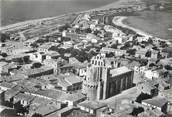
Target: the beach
(114, 4)
(119, 21)
(157, 23)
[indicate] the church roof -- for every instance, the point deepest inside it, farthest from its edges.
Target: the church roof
(119, 71)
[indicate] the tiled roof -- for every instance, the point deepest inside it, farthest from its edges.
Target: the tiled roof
(119, 71)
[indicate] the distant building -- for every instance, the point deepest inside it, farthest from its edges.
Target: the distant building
(168, 95)
(69, 82)
(23, 99)
(154, 54)
(141, 53)
(74, 98)
(159, 103)
(31, 73)
(52, 55)
(91, 106)
(141, 39)
(117, 52)
(38, 57)
(4, 86)
(151, 74)
(148, 87)
(102, 82)
(2, 64)
(45, 47)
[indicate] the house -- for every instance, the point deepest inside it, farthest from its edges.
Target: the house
(168, 95)
(76, 68)
(148, 87)
(23, 99)
(38, 57)
(151, 74)
(134, 65)
(53, 63)
(115, 110)
(154, 54)
(1, 97)
(45, 47)
(2, 64)
(91, 106)
(73, 60)
(20, 58)
(141, 53)
(47, 108)
(140, 69)
(45, 70)
(117, 52)
(141, 39)
(151, 113)
(74, 98)
(41, 84)
(67, 44)
(9, 95)
(4, 86)
(159, 103)
(62, 112)
(119, 40)
(51, 94)
(70, 82)
(52, 55)
(6, 68)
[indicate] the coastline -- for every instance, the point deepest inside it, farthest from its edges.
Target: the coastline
(115, 4)
(119, 20)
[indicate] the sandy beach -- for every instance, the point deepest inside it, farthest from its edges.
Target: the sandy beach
(115, 4)
(119, 21)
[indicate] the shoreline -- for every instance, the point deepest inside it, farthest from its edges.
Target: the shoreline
(118, 20)
(115, 4)
(32, 21)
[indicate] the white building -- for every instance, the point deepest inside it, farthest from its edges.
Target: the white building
(151, 74)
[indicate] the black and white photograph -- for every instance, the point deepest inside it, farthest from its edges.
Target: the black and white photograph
(85, 58)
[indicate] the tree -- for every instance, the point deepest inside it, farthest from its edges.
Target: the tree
(4, 54)
(88, 30)
(131, 51)
(4, 37)
(136, 111)
(110, 54)
(150, 41)
(141, 97)
(148, 54)
(64, 27)
(34, 45)
(114, 46)
(168, 67)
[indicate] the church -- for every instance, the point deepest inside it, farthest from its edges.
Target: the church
(105, 79)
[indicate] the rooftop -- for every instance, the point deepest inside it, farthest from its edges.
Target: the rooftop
(156, 101)
(74, 96)
(22, 96)
(7, 85)
(92, 104)
(72, 79)
(119, 71)
(36, 70)
(53, 94)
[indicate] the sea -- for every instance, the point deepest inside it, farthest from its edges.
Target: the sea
(158, 23)
(13, 11)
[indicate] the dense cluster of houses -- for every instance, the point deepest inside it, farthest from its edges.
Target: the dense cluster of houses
(47, 80)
